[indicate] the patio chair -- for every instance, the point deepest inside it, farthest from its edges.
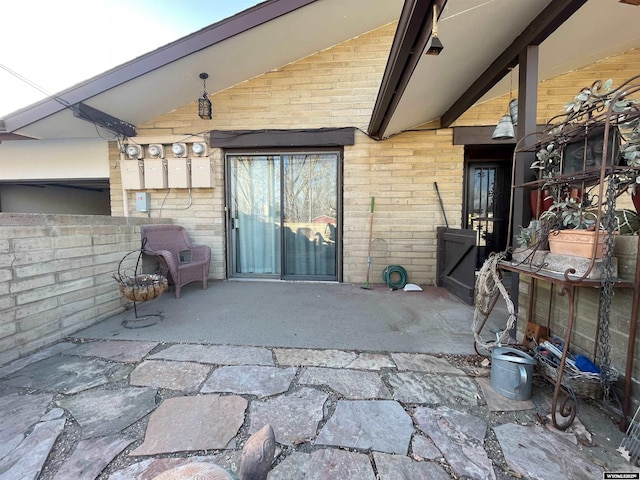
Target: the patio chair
(183, 261)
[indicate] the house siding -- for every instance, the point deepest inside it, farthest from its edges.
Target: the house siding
(56, 276)
(337, 88)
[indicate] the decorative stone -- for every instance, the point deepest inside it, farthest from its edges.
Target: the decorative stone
(91, 456)
(203, 422)
(324, 464)
(460, 437)
(395, 467)
(415, 387)
(107, 412)
(314, 358)
(294, 417)
(539, 454)
(371, 361)
(195, 471)
(26, 460)
(35, 357)
(153, 467)
(499, 403)
(67, 374)
(250, 380)
(381, 425)
(351, 384)
(184, 376)
(257, 455)
(419, 362)
(216, 354)
(19, 414)
(116, 350)
(424, 448)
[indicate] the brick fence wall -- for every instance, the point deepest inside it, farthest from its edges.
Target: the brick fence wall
(56, 276)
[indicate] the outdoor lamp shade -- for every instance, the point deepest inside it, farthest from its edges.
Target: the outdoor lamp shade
(204, 107)
(504, 130)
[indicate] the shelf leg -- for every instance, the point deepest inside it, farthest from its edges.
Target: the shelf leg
(569, 406)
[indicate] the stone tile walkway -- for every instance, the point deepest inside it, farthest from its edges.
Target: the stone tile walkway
(133, 409)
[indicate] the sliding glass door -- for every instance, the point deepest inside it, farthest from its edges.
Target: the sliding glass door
(283, 215)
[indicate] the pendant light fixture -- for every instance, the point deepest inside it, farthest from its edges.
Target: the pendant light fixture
(505, 129)
(436, 45)
(204, 104)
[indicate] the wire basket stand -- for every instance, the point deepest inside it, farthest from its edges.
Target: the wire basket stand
(140, 287)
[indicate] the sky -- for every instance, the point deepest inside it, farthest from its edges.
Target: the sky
(56, 44)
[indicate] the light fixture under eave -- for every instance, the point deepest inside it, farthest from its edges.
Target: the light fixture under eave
(205, 108)
(504, 130)
(436, 45)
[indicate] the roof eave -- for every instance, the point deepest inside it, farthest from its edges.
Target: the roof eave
(204, 38)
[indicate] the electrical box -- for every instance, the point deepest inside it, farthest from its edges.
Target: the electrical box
(202, 173)
(143, 202)
(154, 174)
(131, 173)
(178, 173)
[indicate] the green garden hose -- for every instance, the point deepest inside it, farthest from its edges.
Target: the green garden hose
(398, 272)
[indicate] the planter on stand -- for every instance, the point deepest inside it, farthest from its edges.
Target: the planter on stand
(578, 243)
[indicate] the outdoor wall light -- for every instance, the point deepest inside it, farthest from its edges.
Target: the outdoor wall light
(155, 150)
(436, 45)
(134, 151)
(179, 150)
(204, 104)
(199, 149)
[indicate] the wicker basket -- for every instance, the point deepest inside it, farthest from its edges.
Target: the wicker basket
(142, 288)
(583, 384)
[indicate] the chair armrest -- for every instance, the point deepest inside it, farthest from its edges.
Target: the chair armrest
(200, 253)
(169, 259)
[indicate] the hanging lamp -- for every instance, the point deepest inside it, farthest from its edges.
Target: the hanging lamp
(505, 129)
(204, 104)
(436, 45)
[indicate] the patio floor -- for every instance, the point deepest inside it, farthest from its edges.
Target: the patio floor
(117, 403)
(306, 315)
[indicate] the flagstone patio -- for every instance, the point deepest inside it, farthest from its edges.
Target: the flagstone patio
(135, 409)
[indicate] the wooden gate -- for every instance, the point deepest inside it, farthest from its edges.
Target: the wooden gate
(456, 264)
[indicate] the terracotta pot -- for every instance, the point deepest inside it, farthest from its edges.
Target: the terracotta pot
(578, 243)
(545, 202)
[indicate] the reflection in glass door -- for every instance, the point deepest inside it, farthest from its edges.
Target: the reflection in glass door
(283, 215)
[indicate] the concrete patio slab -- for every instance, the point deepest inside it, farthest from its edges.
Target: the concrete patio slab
(305, 315)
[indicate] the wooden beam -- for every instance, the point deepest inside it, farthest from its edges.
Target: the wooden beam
(552, 17)
(411, 38)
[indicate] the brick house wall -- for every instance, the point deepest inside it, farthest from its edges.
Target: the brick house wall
(56, 276)
(337, 88)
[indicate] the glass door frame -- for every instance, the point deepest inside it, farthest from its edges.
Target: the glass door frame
(229, 233)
